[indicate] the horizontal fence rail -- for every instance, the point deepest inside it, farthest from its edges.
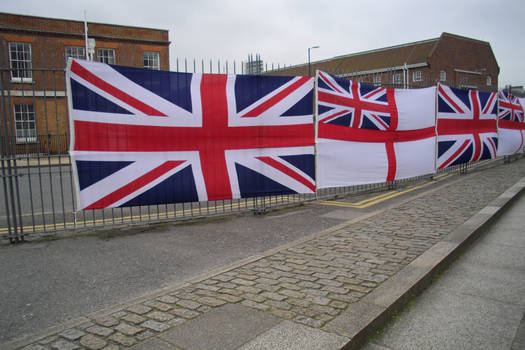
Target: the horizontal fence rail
(36, 187)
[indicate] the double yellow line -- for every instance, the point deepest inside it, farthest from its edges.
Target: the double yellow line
(214, 209)
(383, 197)
(186, 213)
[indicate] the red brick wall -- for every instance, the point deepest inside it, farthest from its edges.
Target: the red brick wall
(454, 52)
(48, 39)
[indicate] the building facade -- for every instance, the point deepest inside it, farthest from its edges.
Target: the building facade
(33, 59)
(450, 59)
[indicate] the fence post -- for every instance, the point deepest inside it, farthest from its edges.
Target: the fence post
(3, 151)
(11, 210)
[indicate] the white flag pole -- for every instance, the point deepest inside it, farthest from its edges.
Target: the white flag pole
(86, 34)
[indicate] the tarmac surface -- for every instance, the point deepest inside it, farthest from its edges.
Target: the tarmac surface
(319, 277)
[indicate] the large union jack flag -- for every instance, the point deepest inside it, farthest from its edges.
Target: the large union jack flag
(511, 124)
(372, 134)
(466, 126)
(144, 137)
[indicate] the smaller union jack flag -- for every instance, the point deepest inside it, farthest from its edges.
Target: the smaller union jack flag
(466, 126)
(511, 124)
(510, 107)
(353, 104)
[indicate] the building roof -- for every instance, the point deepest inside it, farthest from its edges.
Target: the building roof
(394, 56)
(388, 58)
(64, 27)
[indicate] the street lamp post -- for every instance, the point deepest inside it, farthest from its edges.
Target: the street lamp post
(309, 70)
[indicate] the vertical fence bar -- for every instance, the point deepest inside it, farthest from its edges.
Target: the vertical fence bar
(4, 147)
(59, 145)
(70, 168)
(12, 175)
(49, 168)
(27, 155)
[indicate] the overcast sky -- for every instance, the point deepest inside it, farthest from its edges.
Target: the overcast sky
(282, 30)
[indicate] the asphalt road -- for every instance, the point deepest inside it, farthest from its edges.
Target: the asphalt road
(46, 195)
(44, 283)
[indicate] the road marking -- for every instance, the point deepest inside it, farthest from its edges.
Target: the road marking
(213, 209)
(183, 212)
(383, 197)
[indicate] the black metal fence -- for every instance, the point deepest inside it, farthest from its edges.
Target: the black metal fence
(36, 187)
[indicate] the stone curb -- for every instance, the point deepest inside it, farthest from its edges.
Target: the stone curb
(372, 312)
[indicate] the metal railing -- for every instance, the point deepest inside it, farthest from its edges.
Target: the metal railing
(36, 186)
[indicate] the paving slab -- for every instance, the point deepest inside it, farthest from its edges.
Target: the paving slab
(226, 327)
(497, 255)
(453, 321)
(292, 336)
(518, 342)
(154, 344)
(501, 284)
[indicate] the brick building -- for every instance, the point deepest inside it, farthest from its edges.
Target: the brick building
(451, 59)
(32, 61)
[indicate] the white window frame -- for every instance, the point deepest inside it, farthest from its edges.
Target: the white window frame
(105, 55)
(377, 79)
(417, 76)
(151, 60)
(396, 78)
(489, 80)
(19, 59)
(25, 123)
(75, 52)
(442, 76)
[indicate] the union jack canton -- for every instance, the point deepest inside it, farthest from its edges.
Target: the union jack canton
(351, 104)
(509, 107)
(466, 126)
(142, 137)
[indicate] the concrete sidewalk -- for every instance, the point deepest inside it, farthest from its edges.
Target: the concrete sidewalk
(325, 291)
(478, 303)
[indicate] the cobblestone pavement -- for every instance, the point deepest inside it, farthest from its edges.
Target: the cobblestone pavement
(311, 282)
